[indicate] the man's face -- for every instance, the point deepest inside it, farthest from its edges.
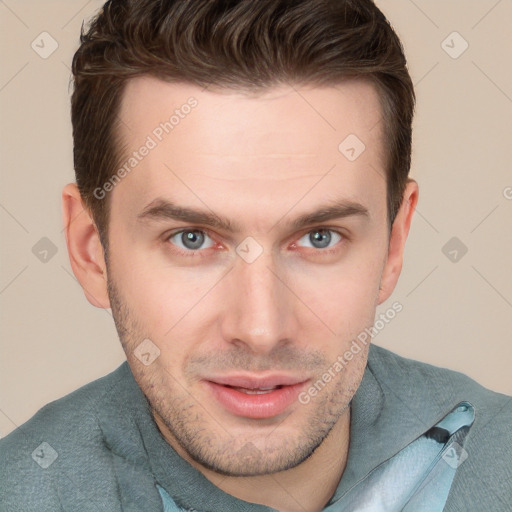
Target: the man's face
(247, 316)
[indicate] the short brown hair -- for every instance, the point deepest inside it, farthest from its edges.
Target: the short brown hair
(237, 44)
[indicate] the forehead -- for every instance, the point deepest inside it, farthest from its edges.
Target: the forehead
(257, 149)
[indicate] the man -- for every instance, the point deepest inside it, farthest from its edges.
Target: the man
(242, 205)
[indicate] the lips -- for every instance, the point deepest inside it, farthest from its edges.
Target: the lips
(255, 397)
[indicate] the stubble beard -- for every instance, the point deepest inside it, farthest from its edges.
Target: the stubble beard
(194, 431)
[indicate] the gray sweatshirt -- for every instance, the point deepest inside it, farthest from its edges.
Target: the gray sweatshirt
(98, 449)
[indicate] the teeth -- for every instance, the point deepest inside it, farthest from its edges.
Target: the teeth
(259, 391)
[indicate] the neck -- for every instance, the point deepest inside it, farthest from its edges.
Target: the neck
(305, 488)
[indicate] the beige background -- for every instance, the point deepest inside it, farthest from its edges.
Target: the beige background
(455, 314)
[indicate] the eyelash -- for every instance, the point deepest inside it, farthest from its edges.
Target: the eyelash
(200, 252)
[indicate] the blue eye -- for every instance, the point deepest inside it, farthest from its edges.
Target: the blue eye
(321, 238)
(190, 239)
(194, 242)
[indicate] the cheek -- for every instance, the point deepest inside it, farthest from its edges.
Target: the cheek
(166, 301)
(160, 300)
(344, 296)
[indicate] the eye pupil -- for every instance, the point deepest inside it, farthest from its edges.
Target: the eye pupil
(320, 238)
(192, 239)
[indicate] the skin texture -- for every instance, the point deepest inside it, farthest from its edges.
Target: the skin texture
(259, 160)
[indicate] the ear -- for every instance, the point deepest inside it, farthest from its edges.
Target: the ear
(84, 248)
(398, 236)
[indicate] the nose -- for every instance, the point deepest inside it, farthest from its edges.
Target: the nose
(259, 307)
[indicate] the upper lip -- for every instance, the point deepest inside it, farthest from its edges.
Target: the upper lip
(256, 382)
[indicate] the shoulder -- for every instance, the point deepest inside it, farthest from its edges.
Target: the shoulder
(57, 441)
(432, 385)
(486, 473)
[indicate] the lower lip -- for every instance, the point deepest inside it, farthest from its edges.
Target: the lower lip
(265, 405)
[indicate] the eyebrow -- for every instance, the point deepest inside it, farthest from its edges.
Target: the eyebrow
(163, 209)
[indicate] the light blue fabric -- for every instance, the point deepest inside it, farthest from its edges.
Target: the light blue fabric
(419, 477)
(416, 479)
(392, 486)
(168, 502)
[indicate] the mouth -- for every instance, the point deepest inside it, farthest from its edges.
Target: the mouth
(257, 391)
(253, 397)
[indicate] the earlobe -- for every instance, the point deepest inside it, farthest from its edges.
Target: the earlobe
(84, 247)
(398, 237)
